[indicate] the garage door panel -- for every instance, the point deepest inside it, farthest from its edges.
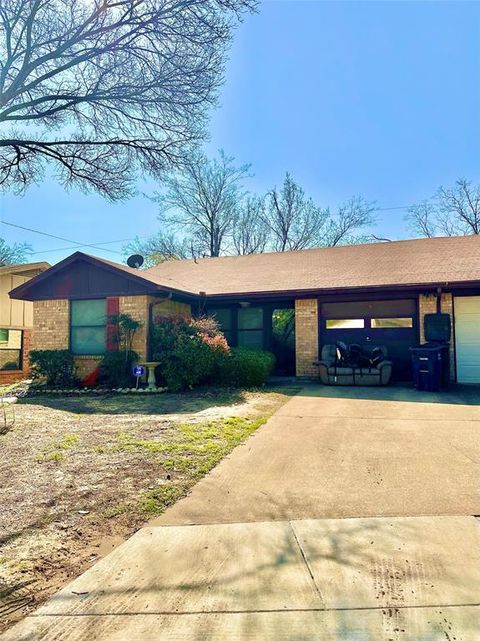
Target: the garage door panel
(396, 339)
(467, 338)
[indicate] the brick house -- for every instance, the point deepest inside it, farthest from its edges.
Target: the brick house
(16, 321)
(372, 294)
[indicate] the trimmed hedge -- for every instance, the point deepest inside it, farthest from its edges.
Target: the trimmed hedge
(245, 367)
(57, 366)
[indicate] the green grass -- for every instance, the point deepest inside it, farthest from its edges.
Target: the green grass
(56, 451)
(195, 449)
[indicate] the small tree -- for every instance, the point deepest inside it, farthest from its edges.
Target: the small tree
(450, 212)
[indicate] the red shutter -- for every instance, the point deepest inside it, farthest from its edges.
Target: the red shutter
(113, 309)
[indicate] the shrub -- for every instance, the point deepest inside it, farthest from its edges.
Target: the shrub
(57, 366)
(116, 368)
(187, 350)
(246, 367)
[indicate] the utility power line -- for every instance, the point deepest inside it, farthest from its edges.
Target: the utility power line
(77, 244)
(67, 240)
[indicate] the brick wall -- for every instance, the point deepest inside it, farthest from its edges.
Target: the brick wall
(51, 324)
(447, 308)
(427, 304)
(137, 308)
(306, 336)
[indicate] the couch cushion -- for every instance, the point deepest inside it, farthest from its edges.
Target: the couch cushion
(340, 371)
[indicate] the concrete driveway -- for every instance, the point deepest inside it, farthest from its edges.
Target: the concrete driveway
(262, 562)
(351, 452)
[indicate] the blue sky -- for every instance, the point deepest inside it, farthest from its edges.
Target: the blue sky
(378, 99)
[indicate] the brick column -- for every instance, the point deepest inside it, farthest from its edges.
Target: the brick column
(427, 304)
(306, 336)
(447, 308)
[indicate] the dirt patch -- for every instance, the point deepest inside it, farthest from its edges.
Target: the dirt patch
(80, 475)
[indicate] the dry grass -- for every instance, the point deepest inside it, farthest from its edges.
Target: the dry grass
(79, 475)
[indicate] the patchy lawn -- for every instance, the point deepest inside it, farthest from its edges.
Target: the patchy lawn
(80, 474)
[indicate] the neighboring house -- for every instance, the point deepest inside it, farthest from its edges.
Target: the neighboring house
(16, 321)
(374, 294)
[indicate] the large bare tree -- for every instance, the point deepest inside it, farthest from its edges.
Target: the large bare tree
(101, 90)
(296, 222)
(13, 254)
(202, 202)
(451, 212)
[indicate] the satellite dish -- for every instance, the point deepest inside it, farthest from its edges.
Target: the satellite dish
(135, 261)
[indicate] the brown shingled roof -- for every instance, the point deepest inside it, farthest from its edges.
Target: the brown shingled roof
(406, 262)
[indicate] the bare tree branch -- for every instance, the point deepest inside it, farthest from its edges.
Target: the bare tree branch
(202, 202)
(14, 254)
(295, 222)
(250, 234)
(134, 78)
(451, 212)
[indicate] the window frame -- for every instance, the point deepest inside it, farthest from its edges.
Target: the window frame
(72, 327)
(251, 330)
(20, 349)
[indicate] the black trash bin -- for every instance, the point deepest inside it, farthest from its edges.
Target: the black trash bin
(431, 361)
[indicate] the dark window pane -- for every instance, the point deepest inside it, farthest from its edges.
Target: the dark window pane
(88, 312)
(88, 340)
(391, 323)
(250, 318)
(223, 317)
(345, 323)
(251, 338)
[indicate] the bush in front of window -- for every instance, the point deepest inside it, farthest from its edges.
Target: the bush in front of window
(246, 368)
(55, 366)
(116, 368)
(188, 350)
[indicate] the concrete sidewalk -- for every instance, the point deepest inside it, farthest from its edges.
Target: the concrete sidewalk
(331, 453)
(310, 580)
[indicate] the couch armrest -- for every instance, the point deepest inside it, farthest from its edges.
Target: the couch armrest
(323, 371)
(385, 369)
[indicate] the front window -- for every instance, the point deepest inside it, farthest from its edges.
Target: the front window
(10, 349)
(223, 316)
(250, 327)
(88, 320)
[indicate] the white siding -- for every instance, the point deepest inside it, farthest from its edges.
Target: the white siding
(467, 338)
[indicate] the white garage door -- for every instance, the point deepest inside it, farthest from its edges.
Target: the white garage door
(467, 338)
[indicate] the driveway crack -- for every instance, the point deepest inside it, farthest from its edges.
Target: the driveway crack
(307, 565)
